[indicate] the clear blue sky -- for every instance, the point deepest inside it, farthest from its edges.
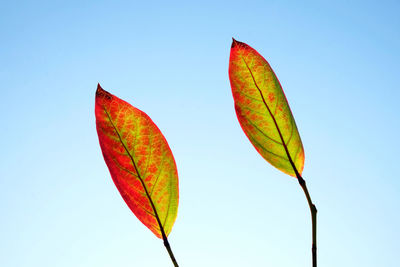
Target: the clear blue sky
(338, 62)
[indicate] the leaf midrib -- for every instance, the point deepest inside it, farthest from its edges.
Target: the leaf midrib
(139, 176)
(273, 118)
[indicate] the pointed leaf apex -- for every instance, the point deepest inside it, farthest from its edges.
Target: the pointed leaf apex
(99, 89)
(100, 92)
(234, 42)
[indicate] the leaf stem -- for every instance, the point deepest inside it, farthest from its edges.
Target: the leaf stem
(168, 247)
(313, 210)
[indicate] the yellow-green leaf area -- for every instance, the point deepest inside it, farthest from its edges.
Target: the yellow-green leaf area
(263, 111)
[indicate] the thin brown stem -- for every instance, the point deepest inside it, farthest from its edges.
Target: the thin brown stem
(168, 247)
(313, 210)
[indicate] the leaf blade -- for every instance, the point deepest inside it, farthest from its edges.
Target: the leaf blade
(263, 111)
(140, 162)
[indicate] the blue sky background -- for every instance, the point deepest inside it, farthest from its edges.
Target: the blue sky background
(338, 62)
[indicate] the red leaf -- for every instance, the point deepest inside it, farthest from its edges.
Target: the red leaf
(140, 162)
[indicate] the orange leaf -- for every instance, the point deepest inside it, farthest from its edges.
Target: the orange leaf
(263, 111)
(140, 162)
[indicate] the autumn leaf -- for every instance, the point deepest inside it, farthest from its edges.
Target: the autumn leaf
(140, 162)
(263, 111)
(265, 117)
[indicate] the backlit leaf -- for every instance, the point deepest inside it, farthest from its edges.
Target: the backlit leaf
(263, 111)
(140, 161)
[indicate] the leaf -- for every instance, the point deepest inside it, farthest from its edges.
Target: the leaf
(263, 111)
(140, 162)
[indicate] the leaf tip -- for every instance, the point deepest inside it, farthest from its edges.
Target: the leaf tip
(99, 89)
(100, 92)
(238, 44)
(234, 42)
